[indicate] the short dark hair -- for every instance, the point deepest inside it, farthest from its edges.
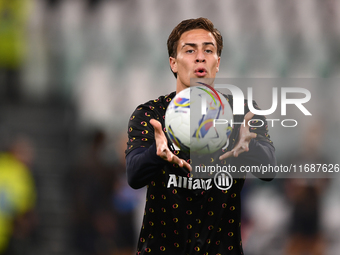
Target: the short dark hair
(190, 24)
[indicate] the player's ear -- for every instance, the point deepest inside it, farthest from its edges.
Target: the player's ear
(173, 64)
(218, 64)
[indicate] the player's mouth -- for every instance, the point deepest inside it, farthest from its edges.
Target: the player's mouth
(201, 72)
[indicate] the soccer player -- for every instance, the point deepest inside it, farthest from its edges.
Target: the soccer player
(180, 217)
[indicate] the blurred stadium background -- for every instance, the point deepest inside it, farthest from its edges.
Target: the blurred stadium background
(72, 72)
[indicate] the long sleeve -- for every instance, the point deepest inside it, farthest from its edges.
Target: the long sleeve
(142, 165)
(142, 162)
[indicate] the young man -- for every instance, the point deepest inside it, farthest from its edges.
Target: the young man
(180, 220)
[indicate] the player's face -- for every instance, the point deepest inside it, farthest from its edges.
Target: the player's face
(196, 57)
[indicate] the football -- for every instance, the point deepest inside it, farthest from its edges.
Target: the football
(198, 120)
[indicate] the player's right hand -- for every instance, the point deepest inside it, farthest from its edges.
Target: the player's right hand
(244, 139)
(162, 146)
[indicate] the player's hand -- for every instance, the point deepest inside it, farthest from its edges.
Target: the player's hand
(162, 146)
(244, 139)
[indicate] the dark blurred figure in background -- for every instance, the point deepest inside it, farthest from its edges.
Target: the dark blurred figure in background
(17, 198)
(305, 233)
(95, 224)
(125, 201)
(103, 201)
(13, 24)
(305, 196)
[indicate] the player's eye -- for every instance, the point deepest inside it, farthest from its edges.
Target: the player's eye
(190, 51)
(209, 51)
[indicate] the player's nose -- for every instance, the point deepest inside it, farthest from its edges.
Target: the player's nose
(200, 57)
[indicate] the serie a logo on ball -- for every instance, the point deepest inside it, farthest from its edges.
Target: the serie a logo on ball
(189, 120)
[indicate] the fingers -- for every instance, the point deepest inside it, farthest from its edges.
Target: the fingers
(227, 155)
(252, 135)
(180, 162)
(170, 157)
(156, 125)
(245, 137)
(187, 165)
(248, 117)
(235, 152)
(162, 148)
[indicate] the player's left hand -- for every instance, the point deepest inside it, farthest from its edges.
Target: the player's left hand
(244, 139)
